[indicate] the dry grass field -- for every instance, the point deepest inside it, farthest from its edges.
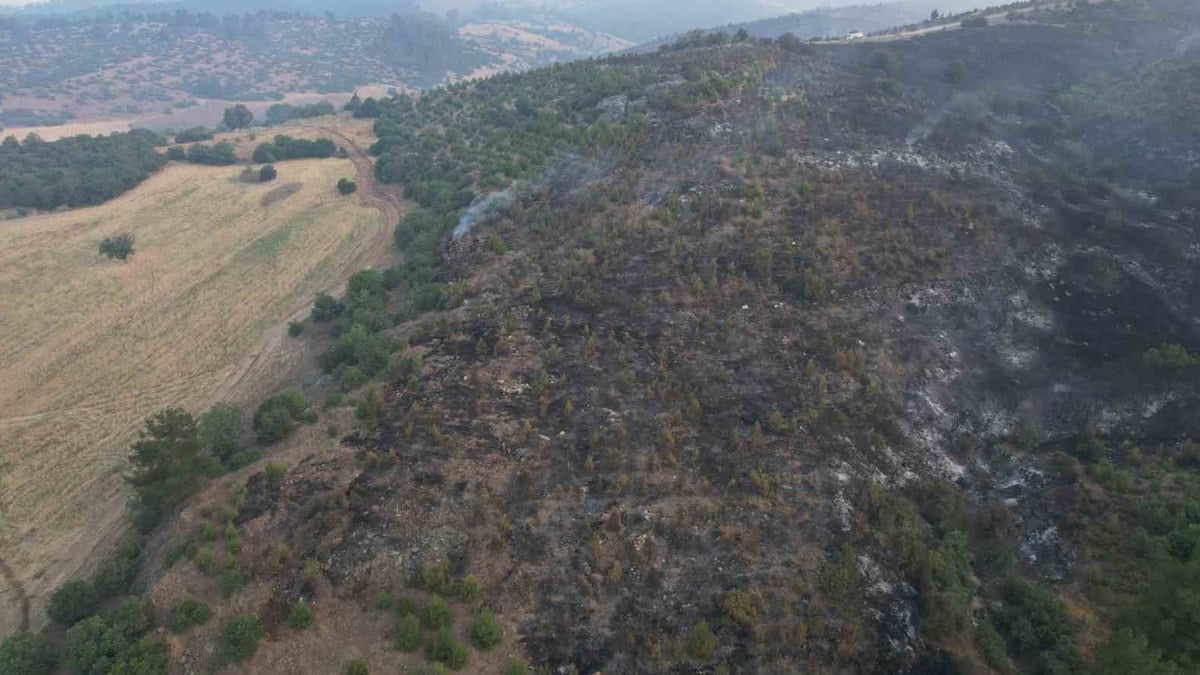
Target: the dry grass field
(90, 347)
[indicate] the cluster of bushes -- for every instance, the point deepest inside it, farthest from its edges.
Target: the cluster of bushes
(484, 632)
(357, 319)
(241, 637)
(96, 642)
(193, 135)
(27, 654)
(176, 453)
(286, 147)
(368, 108)
(118, 246)
(116, 642)
(219, 154)
(76, 171)
(278, 416)
(282, 112)
(264, 174)
(941, 551)
(1142, 534)
(188, 613)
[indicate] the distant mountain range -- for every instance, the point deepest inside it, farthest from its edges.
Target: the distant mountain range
(632, 20)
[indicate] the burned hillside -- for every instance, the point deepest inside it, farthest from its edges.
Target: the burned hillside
(774, 357)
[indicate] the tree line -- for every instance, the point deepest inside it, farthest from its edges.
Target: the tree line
(286, 147)
(76, 171)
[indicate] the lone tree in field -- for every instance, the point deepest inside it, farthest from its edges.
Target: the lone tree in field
(119, 246)
(346, 186)
(267, 173)
(238, 117)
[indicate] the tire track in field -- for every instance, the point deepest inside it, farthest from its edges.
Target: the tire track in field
(18, 589)
(272, 342)
(370, 194)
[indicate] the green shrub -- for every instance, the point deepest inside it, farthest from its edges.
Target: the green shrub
(401, 366)
(133, 616)
(371, 408)
(300, 616)
(295, 328)
(117, 247)
(408, 634)
(220, 432)
(346, 186)
(326, 308)
(26, 654)
(1171, 359)
(178, 549)
(470, 588)
(278, 416)
(702, 644)
(406, 605)
(273, 475)
(96, 646)
(739, 609)
(485, 630)
(434, 576)
(991, 647)
(437, 614)
(383, 600)
(231, 579)
(242, 634)
(357, 667)
(188, 613)
(1033, 624)
(116, 574)
(352, 377)
(73, 601)
(517, 668)
(1127, 652)
(840, 577)
(444, 649)
(193, 134)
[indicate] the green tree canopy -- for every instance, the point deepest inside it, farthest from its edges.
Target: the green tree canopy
(26, 654)
(220, 431)
(237, 117)
(168, 465)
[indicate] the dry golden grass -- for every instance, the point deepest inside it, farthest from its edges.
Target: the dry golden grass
(54, 133)
(91, 347)
(358, 130)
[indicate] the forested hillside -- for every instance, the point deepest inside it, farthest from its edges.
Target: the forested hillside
(745, 356)
(131, 62)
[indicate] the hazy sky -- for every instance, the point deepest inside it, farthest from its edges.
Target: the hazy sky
(784, 6)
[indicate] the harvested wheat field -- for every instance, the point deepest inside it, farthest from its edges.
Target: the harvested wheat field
(91, 347)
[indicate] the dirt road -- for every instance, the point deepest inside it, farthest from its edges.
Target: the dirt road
(374, 255)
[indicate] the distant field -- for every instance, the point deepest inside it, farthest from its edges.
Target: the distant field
(90, 347)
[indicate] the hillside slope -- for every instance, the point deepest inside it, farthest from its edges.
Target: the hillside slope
(758, 357)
